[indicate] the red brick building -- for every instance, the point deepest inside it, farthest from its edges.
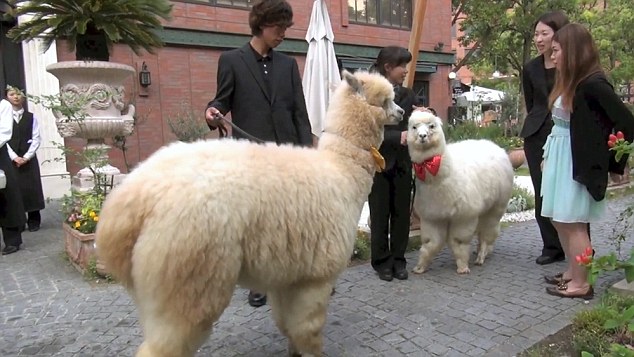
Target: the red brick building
(185, 69)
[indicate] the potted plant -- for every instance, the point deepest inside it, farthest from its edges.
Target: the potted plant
(91, 27)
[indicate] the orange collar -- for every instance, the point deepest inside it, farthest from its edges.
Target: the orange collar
(379, 161)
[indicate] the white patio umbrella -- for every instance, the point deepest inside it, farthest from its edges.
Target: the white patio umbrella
(321, 73)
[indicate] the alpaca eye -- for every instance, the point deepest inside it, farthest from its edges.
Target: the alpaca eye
(431, 126)
(414, 126)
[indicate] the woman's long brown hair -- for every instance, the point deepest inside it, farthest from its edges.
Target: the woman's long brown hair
(579, 60)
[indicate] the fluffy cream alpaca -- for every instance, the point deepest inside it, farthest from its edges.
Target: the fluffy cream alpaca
(467, 195)
(194, 220)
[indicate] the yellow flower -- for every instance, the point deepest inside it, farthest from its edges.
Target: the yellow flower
(92, 214)
(95, 218)
(77, 224)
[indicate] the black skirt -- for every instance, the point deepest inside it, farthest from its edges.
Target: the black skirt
(11, 208)
(31, 185)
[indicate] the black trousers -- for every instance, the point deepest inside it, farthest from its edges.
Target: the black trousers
(34, 217)
(12, 236)
(389, 203)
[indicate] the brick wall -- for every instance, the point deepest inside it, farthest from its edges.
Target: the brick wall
(187, 74)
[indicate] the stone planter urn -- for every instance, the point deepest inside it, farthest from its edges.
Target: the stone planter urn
(81, 250)
(517, 157)
(100, 85)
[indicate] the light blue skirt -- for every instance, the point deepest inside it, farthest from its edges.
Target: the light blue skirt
(564, 199)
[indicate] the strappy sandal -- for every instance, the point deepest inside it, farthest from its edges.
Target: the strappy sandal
(556, 279)
(562, 291)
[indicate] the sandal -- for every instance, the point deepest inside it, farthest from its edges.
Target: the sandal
(556, 279)
(562, 291)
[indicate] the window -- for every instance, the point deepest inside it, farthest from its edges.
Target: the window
(421, 89)
(389, 13)
(244, 4)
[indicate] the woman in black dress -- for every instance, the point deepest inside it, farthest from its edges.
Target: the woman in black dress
(12, 216)
(389, 200)
(538, 80)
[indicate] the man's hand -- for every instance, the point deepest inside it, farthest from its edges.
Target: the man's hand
(212, 116)
(403, 137)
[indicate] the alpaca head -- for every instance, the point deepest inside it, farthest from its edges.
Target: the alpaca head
(425, 137)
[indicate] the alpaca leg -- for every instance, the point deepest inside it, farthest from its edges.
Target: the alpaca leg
(432, 237)
(460, 235)
(179, 303)
(488, 232)
(300, 314)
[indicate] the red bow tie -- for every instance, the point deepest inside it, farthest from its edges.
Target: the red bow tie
(432, 165)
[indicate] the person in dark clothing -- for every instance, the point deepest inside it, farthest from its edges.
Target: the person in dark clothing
(389, 200)
(262, 88)
(538, 80)
(12, 218)
(22, 147)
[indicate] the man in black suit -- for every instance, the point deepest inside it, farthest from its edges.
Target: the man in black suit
(262, 88)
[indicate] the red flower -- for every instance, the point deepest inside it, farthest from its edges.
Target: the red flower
(588, 251)
(611, 144)
(620, 136)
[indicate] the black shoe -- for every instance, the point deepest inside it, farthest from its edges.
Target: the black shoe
(10, 249)
(547, 259)
(400, 272)
(386, 274)
(34, 227)
(332, 292)
(256, 299)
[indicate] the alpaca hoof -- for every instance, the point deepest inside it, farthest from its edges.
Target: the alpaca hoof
(479, 261)
(418, 269)
(465, 270)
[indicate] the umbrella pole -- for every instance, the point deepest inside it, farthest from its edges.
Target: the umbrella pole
(414, 39)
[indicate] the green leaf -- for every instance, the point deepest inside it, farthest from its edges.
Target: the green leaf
(586, 354)
(611, 324)
(628, 314)
(629, 273)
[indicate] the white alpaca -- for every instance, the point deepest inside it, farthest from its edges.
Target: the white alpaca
(194, 220)
(462, 189)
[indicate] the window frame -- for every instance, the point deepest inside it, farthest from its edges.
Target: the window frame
(353, 19)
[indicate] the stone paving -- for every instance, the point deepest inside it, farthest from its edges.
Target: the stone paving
(500, 309)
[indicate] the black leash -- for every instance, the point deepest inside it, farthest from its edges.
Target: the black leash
(219, 119)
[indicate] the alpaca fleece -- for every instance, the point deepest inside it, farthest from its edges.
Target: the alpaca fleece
(468, 195)
(194, 220)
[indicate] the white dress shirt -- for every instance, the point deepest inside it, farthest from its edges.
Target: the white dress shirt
(35, 137)
(6, 121)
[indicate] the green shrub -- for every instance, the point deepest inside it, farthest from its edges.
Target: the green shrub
(588, 332)
(521, 200)
(361, 246)
(187, 125)
(606, 329)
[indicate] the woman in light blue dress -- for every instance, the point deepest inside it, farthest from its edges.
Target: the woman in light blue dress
(577, 160)
(565, 200)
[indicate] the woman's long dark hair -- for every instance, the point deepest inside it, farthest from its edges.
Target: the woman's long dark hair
(579, 60)
(392, 55)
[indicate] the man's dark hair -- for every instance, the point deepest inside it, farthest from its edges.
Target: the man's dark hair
(270, 13)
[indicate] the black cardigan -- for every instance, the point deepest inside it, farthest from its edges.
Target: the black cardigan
(596, 113)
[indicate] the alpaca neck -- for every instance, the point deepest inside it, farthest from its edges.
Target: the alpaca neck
(338, 145)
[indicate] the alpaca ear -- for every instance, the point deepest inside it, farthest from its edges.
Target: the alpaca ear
(353, 81)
